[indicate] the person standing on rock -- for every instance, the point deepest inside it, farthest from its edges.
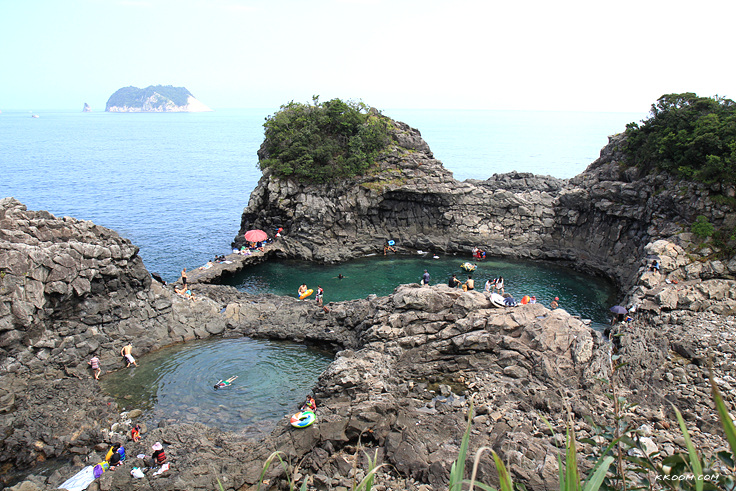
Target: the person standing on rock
(320, 293)
(184, 278)
(425, 278)
(94, 363)
(499, 285)
(125, 352)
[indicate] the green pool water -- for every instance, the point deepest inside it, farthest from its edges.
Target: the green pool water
(588, 296)
(176, 383)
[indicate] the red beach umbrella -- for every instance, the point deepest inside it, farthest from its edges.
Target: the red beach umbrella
(256, 236)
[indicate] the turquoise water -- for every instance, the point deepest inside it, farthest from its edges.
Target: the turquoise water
(176, 184)
(177, 382)
(588, 296)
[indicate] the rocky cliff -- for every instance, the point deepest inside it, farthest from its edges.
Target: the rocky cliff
(154, 98)
(599, 221)
(406, 365)
(406, 369)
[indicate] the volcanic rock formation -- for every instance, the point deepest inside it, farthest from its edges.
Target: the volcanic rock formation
(407, 365)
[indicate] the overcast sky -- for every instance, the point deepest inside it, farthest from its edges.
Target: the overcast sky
(462, 54)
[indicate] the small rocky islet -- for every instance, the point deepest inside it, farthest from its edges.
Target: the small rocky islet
(406, 365)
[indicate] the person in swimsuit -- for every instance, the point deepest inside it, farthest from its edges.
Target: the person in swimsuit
(125, 352)
(302, 290)
(470, 284)
(225, 383)
(184, 278)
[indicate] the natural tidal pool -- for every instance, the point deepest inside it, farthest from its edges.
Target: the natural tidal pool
(581, 294)
(176, 383)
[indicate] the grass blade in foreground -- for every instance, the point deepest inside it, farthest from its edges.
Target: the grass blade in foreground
(692, 453)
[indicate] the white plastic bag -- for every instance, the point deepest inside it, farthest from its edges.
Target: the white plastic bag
(137, 473)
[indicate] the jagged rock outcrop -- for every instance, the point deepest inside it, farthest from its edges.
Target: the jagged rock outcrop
(70, 289)
(87, 108)
(599, 221)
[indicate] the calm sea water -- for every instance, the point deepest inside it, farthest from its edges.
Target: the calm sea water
(177, 382)
(176, 184)
(580, 294)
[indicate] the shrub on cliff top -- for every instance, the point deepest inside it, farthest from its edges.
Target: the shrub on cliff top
(689, 136)
(322, 141)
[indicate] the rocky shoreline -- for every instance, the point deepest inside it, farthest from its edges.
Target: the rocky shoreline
(407, 365)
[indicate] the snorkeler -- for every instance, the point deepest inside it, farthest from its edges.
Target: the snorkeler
(225, 383)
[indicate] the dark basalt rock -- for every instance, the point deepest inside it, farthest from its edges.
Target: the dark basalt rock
(599, 221)
(406, 365)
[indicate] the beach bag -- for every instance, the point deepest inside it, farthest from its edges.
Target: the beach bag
(137, 473)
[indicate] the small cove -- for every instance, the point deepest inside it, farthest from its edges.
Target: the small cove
(580, 294)
(176, 383)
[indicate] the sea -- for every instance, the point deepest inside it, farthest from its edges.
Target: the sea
(176, 184)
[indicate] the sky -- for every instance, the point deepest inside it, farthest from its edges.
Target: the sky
(429, 54)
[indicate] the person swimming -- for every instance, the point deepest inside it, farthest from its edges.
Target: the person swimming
(225, 383)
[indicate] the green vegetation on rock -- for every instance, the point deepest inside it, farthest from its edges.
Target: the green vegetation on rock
(689, 136)
(323, 141)
(135, 97)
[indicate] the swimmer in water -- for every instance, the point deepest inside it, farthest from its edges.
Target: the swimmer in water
(225, 383)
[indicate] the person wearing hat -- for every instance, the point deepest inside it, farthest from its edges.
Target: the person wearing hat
(554, 303)
(158, 457)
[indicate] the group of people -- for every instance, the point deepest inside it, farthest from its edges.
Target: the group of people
(185, 291)
(467, 286)
(479, 253)
(496, 284)
(303, 292)
(126, 352)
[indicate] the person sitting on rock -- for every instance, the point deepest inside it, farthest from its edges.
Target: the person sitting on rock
(469, 284)
(135, 433)
(454, 282)
(114, 456)
(309, 404)
(158, 457)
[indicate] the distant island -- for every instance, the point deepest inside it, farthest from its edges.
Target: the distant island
(154, 98)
